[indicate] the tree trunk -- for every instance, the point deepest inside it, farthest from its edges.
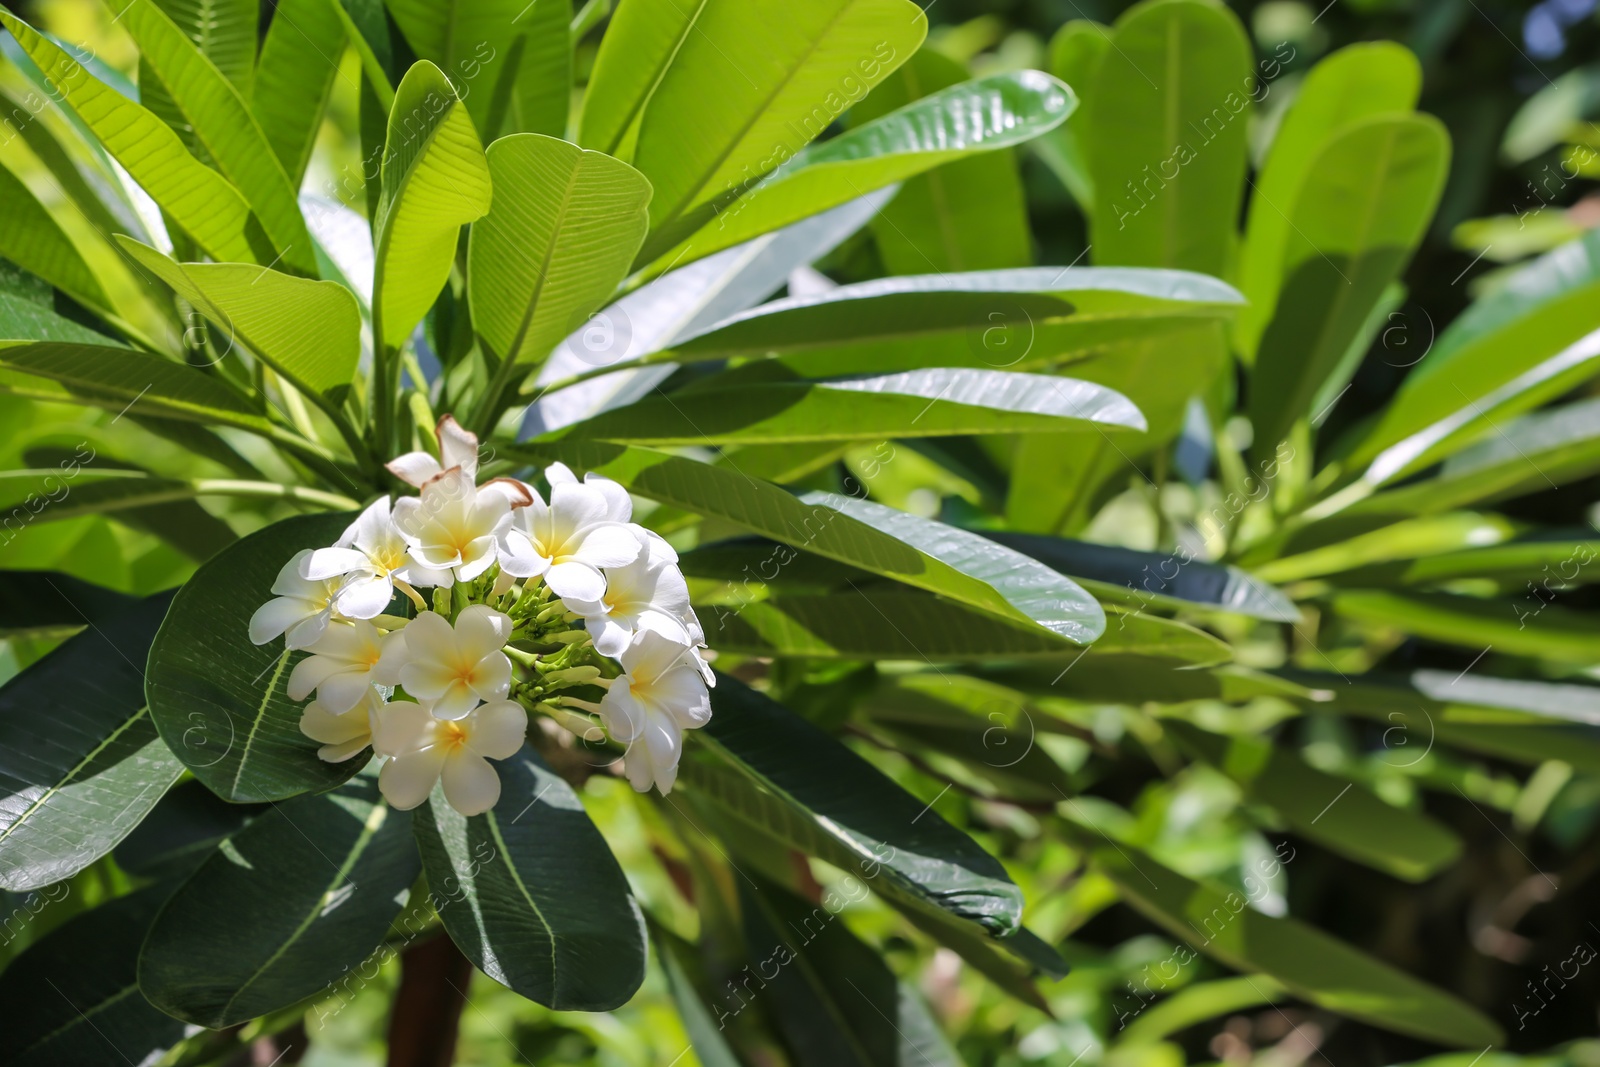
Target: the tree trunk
(427, 1007)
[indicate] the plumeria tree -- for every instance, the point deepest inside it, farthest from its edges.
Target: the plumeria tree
(632, 518)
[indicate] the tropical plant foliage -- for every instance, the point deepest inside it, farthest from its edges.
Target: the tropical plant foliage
(1083, 692)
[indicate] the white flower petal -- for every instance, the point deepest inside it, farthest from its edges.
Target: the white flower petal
(575, 581)
(364, 597)
(310, 673)
(498, 729)
(403, 726)
(341, 692)
(415, 468)
(457, 447)
(471, 785)
(327, 563)
(481, 630)
(274, 617)
(407, 779)
(608, 545)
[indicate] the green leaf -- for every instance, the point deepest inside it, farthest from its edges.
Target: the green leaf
(705, 1036)
(197, 198)
(56, 159)
(48, 600)
(1197, 1003)
(1360, 212)
(1009, 320)
(34, 241)
(714, 124)
(221, 124)
(76, 788)
(964, 121)
(532, 895)
(465, 40)
(21, 317)
(886, 624)
(833, 997)
(1164, 121)
(1343, 816)
(1529, 341)
(316, 347)
(321, 878)
(1168, 580)
(225, 33)
(1527, 626)
(1030, 590)
(563, 228)
(1075, 52)
(1557, 446)
(219, 701)
(435, 180)
(1055, 481)
(968, 214)
(1402, 539)
(926, 403)
(641, 40)
(181, 832)
(1552, 559)
(784, 775)
(1358, 82)
(299, 63)
(535, 95)
(73, 996)
(117, 378)
(1304, 960)
(938, 558)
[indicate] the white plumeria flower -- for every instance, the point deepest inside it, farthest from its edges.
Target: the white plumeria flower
(453, 668)
(424, 748)
(342, 734)
(301, 610)
(455, 526)
(570, 540)
(619, 507)
(457, 448)
(659, 695)
(371, 556)
(642, 595)
(343, 665)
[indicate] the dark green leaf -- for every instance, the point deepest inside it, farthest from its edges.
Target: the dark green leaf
(80, 762)
(221, 702)
(49, 600)
(532, 895)
(319, 878)
(73, 996)
(181, 831)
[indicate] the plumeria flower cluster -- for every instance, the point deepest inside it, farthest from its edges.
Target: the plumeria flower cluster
(524, 598)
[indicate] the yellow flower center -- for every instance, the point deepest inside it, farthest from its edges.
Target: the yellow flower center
(452, 735)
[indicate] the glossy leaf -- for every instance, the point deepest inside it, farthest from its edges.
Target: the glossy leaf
(1161, 579)
(49, 600)
(938, 558)
(1523, 344)
(1553, 447)
(1075, 52)
(1360, 212)
(964, 121)
(1304, 960)
(225, 33)
(927, 403)
(968, 214)
(73, 996)
(713, 125)
(885, 624)
(558, 239)
(1342, 815)
(72, 792)
(1358, 82)
(1165, 124)
(34, 241)
(1055, 481)
(1526, 626)
(222, 125)
(705, 1036)
(781, 773)
(1402, 539)
(833, 997)
(197, 198)
(640, 42)
(299, 63)
(181, 831)
(1004, 320)
(435, 180)
(532, 895)
(322, 878)
(219, 701)
(317, 347)
(116, 378)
